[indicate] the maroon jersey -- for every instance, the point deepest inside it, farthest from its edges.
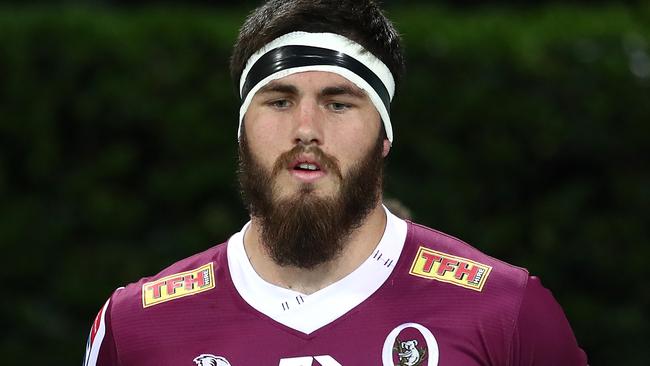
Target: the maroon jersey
(422, 298)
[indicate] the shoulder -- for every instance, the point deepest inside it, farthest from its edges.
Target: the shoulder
(509, 303)
(443, 265)
(132, 315)
(543, 332)
(444, 257)
(185, 277)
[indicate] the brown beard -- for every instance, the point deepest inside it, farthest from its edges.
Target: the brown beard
(306, 230)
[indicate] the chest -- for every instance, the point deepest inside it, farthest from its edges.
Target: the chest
(383, 331)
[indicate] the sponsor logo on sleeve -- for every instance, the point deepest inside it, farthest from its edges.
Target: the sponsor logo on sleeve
(178, 285)
(448, 268)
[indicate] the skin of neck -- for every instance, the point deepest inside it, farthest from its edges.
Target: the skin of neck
(357, 248)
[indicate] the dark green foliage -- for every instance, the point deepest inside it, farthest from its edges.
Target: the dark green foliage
(525, 133)
(534, 146)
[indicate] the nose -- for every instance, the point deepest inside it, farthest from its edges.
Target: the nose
(308, 124)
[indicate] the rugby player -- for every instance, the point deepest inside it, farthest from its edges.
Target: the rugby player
(323, 273)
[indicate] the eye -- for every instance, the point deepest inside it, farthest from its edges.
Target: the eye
(279, 103)
(338, 107)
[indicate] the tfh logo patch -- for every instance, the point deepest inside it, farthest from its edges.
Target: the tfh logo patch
(178, 285)
(448, 268)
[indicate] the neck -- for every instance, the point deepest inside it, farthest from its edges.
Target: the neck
(357, 248)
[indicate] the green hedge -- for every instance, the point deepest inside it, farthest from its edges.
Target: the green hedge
(523, 132)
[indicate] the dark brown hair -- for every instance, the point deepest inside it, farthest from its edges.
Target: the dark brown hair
(359, 20)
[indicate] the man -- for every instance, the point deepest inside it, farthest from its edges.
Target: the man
(323, 274)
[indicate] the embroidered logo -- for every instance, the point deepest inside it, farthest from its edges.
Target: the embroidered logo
(419, 349)
(409, 353)
(448, 268)
(178, 285)
(211, 360)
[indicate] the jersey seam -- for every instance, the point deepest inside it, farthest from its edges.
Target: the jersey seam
(109, 313)
(515, 322)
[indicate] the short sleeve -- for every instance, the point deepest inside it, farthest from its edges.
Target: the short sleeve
(100, 347)
(542, 334)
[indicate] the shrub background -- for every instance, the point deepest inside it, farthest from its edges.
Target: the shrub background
(524, 132)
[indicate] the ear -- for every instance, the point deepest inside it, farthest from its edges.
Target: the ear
(386, 149)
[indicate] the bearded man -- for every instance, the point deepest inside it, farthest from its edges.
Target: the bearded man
(324, 274)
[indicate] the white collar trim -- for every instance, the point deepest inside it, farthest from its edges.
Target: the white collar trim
(308, 313)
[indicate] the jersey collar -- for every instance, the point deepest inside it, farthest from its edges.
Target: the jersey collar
(308, 313)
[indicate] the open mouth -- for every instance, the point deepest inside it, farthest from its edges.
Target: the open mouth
(308, 167)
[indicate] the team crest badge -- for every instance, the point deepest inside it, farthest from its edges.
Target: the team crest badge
(211, 360)
(409, 353)
(410, 344)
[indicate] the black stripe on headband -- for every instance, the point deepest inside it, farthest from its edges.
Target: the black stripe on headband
(288, 57)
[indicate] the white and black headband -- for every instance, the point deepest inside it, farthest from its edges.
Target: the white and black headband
(303, 51)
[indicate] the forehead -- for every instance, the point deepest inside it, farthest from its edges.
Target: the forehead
(314, 81)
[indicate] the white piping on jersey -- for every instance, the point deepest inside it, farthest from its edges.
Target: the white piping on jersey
(92, 348)
(308, 313)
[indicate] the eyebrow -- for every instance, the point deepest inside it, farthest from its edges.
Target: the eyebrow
(278, 88)
(343, 90)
